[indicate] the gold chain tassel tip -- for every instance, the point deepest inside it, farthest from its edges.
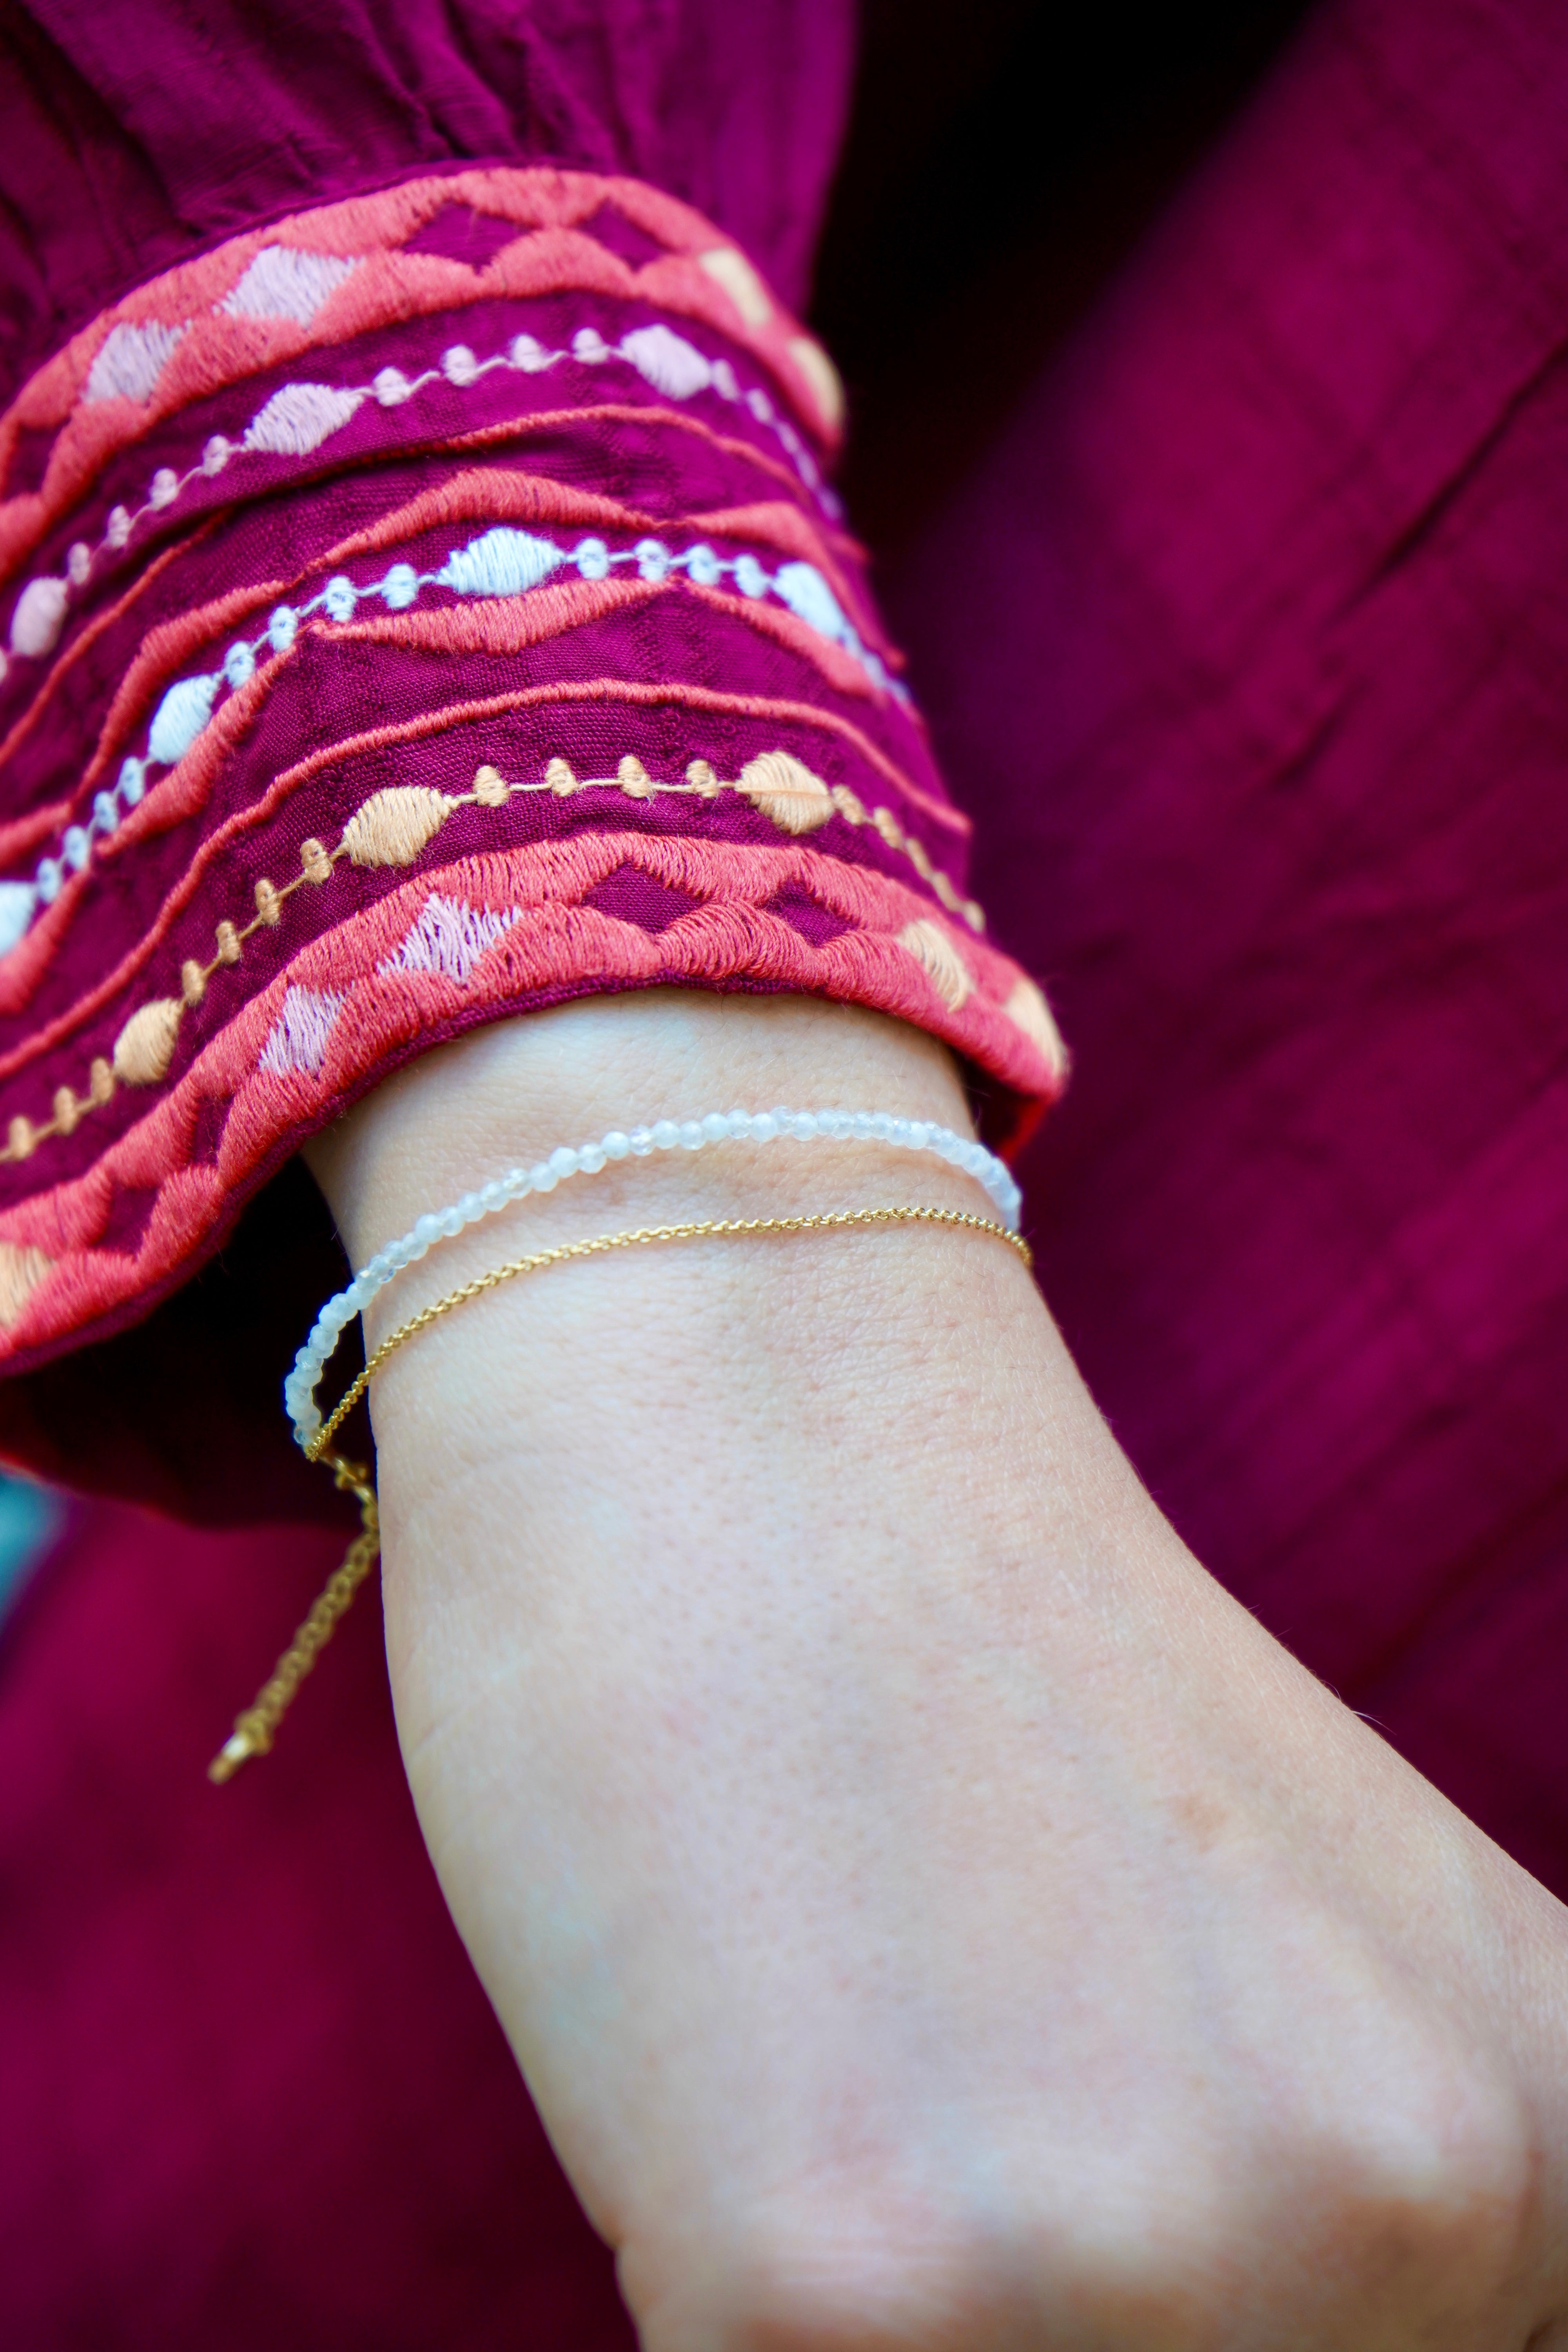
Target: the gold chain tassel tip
(255, 1729)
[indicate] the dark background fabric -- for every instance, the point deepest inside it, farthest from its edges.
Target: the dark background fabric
(1246, 641)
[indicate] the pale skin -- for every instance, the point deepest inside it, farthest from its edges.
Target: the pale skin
(928, 1911)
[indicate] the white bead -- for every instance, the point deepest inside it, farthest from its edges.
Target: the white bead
(803, 1125)
(493, 1196)
(703, 566)
(616, 1145)
(640, 1142)
(880, 1127)
(692, 1138)
(591, 558)
(716, 1127)
(666, 1135)
(590, 1157)
(653, 559)
(518, 1183)
(564, 1160)
(739, 1124)
(764, 1127)
(451, 1221)
(542, 1176)
(426, 1228)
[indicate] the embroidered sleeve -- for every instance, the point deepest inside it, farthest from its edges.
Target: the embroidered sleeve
(425, 609)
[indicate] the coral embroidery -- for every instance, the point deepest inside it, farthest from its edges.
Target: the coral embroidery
(561, 942)
(396, 823)
(635, 692)
(299, 418)
(502, 563)
(474, 494)
(158, 364)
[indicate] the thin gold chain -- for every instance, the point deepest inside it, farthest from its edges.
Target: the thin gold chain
(699, 1230)
(255, 1729)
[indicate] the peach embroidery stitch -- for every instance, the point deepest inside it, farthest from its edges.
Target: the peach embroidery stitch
(507, 577)
(397, 822)
(639, 693)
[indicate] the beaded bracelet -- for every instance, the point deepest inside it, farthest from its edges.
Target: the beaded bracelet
(256, 1726)
(664, 1135)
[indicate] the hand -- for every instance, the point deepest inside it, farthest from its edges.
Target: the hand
(928, 1911)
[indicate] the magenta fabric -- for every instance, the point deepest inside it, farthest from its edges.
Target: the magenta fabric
(1247, 643)
(1246, 647)
(137, 136)
(251, 2094)
(422, 609)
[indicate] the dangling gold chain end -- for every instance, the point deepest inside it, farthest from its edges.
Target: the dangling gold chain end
(254, 1730)
(250, 1738)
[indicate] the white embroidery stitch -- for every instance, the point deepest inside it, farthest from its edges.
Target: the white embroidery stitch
(39, 618)
(449, 938)
(501, 561)
(299, 418)
(297, 1039)
(130, 359)
(284, 282)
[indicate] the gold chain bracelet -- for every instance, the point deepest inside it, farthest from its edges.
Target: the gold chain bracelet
(256, 1727)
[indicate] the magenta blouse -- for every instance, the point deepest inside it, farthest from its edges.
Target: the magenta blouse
(425, 601)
